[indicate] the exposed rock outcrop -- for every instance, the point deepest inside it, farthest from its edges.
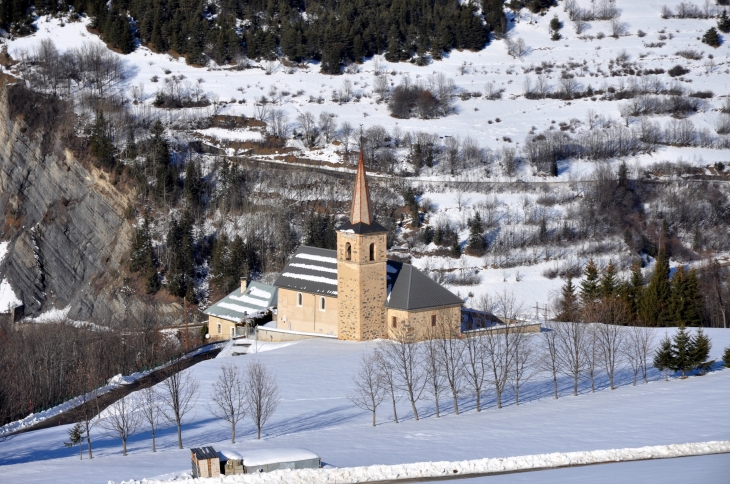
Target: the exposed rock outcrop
(65, 223)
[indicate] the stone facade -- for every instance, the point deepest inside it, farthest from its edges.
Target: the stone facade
(309, 317)
(220, 329)
(419, 323)
(361, 285)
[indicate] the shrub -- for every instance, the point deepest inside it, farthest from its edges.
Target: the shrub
(726, 357)
(677, 71)
(689, 54)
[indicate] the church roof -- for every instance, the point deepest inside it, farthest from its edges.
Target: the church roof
(237, 306)
(361, 228)
(361, 212)
(314, 270)
(311, 270)
(411, 289)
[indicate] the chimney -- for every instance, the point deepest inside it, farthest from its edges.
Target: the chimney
(243, 285)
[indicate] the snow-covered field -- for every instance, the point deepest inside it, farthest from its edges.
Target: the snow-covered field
(315, 376)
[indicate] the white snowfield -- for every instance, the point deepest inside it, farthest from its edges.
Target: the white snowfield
(425, 470)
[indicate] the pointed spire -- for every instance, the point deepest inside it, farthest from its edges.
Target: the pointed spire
(360, 212)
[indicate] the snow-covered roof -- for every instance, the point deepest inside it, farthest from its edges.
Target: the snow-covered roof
(261, 457)
(312, 270)
(237, 306)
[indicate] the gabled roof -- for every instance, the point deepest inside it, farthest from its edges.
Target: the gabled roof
(237, 306)
(411, 289)
(311, 270)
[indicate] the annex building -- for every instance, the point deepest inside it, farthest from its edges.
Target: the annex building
(355, 292)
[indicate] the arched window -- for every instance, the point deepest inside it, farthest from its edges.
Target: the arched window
(348, 251)
(322, 304)
(299, 299)
(372, 251)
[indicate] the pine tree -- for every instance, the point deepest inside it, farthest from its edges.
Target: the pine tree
(476, 244)
(700, 350)
(609, 282)
(635, 289)
(193, 188)
(681, 359)
(686, 300)
(542, 234)
(76, 437)
(100, 143)
(663, 356)
(712, 38)
(726, 357)
(569, 306)
(456, 248)
(589, 289)
(654, 308)
(724, 23)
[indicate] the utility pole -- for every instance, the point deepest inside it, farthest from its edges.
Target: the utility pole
(187, 333)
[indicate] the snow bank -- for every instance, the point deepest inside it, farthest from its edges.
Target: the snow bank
(8, 299)
(424, 470)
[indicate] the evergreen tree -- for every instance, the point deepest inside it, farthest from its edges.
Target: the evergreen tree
(568, 305)
(635, 289)
(712, 38)
(724, 23)
(76, 436)
(700, 350)
(456, 248)
(101, 144)
(726, 357)
(682, 359)
(589, 290)
(609, 282)
(655, 301)
(542, 234)
(663, 356)
(686, 300)
(193, 188)
(476, 244)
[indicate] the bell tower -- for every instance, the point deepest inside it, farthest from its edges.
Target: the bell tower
(361, 268)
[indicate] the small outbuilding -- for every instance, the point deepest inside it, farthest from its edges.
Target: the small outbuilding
(206, 462)
(267, 460)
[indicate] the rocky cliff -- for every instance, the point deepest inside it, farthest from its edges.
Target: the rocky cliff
(64, 220)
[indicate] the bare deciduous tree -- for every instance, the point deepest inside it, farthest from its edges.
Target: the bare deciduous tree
(151, 408)
(403, 353)
(387, 373)
(451, 356)
(550, 348)
(308, 126)
(327, 125)
(262, 394)
(228, 399)
(179, 394)
(572, 341)
(642, 346)
(435, 376)
(122, 419)
(523, 362)
(369, 389)
(592, 355)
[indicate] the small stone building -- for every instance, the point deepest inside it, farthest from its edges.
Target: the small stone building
(227, 317)
(355, 292)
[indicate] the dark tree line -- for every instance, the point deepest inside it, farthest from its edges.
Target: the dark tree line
(334, 32)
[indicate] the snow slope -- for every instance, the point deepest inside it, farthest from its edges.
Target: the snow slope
(315, 376)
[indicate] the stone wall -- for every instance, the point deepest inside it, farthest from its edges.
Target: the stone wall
(309, 317)
(225, 332)
(361, 286)
(418, 324)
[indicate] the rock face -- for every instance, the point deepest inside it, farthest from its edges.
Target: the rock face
(65, 224)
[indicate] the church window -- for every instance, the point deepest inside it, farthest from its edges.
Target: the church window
(372, 251)
(299, 299)
(348, 251)
(433, 320)
(322, 304)
(394, 322)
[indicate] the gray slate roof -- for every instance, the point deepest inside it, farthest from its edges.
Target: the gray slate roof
(311, 270)
(362, 228)
(411, 289)
(314, 270)
(202, 453)
(236, 306)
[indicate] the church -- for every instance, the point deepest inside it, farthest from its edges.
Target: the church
(354, 292)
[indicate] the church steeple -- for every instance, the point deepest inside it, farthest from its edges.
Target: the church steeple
(361, 211)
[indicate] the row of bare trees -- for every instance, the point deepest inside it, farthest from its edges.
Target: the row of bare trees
(450, 365)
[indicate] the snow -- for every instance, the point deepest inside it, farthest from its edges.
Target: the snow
(314, 268)
(305, 277)
(318, 258)
(231, 134)
(250, 300)
(8, 299)
(426, 470)
(315, 376)
(269, 456)
(257, 292)
(237, 307)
